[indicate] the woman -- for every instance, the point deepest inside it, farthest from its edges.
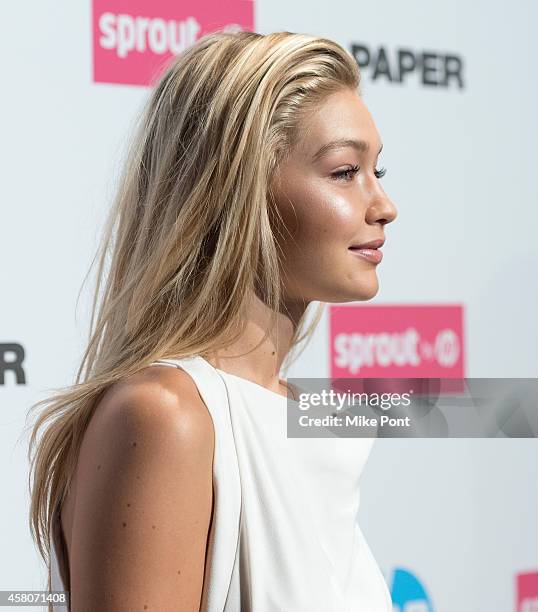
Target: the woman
(251, 191)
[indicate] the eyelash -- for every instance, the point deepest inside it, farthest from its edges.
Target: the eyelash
(345, 174)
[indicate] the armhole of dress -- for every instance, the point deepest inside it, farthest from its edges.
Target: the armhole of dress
(220, 591)
(57, 571)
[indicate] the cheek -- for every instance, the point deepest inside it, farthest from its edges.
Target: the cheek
(320, 215)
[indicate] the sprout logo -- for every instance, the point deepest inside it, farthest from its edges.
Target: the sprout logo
(408, 594)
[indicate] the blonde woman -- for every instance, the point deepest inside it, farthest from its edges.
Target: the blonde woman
(251, 191)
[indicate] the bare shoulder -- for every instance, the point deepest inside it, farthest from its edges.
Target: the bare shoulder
(157, 400)
(143, 496)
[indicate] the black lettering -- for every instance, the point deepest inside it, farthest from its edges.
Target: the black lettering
(453, 67)
(361, 55)
(429, 68)
(14, 365)
(437, 70)
(406, 63)
(381, 65)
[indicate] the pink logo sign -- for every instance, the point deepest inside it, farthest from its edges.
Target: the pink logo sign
(527, 592)
(397, 341)
(134, 40)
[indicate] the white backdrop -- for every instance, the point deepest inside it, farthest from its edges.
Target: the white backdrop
(459, 515)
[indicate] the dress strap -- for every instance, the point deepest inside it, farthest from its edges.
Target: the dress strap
(220, 591)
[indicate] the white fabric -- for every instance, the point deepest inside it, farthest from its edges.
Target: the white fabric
(284, 536)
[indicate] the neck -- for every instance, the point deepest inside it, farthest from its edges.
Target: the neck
(256, 360)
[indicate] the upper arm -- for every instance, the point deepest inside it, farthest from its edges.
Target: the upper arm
(143, 499)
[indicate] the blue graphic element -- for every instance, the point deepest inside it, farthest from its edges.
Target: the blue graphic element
(408, 593)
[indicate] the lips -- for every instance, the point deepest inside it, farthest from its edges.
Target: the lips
(373, 244)
(369, 250)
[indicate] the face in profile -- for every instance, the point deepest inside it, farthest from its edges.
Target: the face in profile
(329, 194)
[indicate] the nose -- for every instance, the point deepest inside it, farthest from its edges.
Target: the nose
(381, 210)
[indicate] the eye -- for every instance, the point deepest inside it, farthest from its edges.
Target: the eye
(345, 175)
(349, 173)
(380, 173)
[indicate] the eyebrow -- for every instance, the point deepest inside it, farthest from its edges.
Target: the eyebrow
(361, 146)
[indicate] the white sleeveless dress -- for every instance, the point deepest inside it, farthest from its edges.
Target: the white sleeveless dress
(284, 535)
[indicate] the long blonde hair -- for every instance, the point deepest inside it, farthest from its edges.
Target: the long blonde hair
(190, 233)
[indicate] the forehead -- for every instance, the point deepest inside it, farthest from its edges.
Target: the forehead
(342, 115)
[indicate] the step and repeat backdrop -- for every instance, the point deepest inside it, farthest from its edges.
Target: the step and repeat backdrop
(453, 91)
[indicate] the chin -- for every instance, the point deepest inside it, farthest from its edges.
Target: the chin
(361, 292)
(365, 294)
(364, 288)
